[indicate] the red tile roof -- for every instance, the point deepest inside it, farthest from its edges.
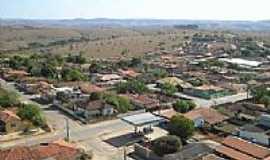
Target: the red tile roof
(129, 72)
(90, 88)
(168, 113)
(18, 153)
(246, 147)
(210, 115)
(58, 150)
(94, 105)
(6, 116)
(233, 154)
(143, 100)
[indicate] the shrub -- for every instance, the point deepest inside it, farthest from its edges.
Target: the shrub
(167, 145)
(184, 106)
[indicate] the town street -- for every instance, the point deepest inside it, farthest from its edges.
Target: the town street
(90, 137)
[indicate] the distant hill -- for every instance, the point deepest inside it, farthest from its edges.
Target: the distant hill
(103, 22)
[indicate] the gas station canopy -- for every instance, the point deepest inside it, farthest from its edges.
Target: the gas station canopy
(142, 119)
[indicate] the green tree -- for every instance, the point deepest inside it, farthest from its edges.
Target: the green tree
(184, 106)
(32, 113)
(73, 75)
(265, 100)
(8, 98)
(131, 87)
(259, 92)
(160, 73)
(121, 104)
(49, 71)
(77, 59)
(168, 89)
(95, 67)
(181, 127)
(167, 145)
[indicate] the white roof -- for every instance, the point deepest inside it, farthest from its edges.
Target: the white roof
(63, 89)
(240, 61)
(108, 77)
(142, 119)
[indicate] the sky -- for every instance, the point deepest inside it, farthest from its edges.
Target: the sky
(136, 9)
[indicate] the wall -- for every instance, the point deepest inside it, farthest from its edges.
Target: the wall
(145, 153)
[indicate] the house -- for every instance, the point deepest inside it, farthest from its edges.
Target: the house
(167, 113)
(264, 120)
(108, 79)
(257, 133)
(239, 149)
(143, 101)
(205, 116)
(129, 73)
(10, 122)
(207, 91)
(14, 74)
(191, 151)
(175, 82)
(241, 62)
(58, 150)
(35, 87)
(94, 109)
(88, 88)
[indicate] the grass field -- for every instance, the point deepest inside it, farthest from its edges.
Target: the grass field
(98, 42)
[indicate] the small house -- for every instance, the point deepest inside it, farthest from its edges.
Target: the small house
(205, 116)
(10, 122)
(143, 101)
(58, 150)
(94, 109)
(257, 133)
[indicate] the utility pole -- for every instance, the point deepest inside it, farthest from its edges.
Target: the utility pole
(125, 152)
(67, 130)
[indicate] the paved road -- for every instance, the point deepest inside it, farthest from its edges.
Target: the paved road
(76, 134)
(89, 136)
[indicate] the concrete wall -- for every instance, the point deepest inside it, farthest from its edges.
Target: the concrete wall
(145, 153)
